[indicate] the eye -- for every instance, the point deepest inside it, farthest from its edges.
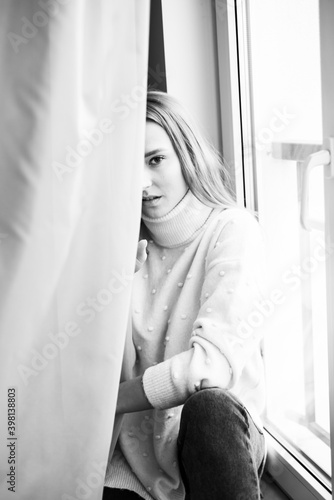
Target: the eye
(156, 160)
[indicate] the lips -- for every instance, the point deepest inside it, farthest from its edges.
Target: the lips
(150, 198)
(151, 201)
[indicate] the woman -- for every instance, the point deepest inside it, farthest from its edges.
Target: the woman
(193, 384)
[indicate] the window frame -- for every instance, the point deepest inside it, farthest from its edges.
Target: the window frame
(233, 39)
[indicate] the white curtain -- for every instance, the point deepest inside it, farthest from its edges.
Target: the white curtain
(72, 91)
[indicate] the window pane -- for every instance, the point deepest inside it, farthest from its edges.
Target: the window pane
(286, 105)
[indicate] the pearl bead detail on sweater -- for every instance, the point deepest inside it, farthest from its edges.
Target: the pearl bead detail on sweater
(163, 257)
(208, 310)
(154, 291)
(161, 314)
(180, 285)
(145, 276)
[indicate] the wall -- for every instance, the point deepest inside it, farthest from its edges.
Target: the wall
(191, 61)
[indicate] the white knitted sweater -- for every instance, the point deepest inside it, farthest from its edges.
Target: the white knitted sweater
(192, 305)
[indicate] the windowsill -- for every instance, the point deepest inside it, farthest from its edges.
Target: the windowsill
(291, 476)
(307, 442)
(270, 490)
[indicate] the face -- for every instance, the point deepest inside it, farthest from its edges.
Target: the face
(163, 182)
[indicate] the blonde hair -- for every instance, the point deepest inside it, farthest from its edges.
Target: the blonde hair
(202, 167)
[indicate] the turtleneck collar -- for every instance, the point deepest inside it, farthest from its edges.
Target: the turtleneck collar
(181, 224)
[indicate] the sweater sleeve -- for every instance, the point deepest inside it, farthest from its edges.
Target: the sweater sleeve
(224, 334)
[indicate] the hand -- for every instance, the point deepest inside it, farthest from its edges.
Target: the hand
(141, 254)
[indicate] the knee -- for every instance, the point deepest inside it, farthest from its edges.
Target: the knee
(209, 419)
(211, 404)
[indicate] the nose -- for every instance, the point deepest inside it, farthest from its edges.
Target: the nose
(147, 180)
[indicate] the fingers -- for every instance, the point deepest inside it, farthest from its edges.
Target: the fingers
(141, 254)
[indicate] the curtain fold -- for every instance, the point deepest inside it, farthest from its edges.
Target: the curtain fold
(73, 94)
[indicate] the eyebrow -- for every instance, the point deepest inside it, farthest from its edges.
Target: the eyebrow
(154, 152)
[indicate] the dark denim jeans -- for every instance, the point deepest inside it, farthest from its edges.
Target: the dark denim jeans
(221, 450)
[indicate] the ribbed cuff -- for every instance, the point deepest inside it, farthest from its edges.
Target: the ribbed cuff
(159, 386)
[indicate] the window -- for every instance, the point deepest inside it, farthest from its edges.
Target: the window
(274, 67)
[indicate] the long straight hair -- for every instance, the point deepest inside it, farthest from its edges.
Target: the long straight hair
(202, 167)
